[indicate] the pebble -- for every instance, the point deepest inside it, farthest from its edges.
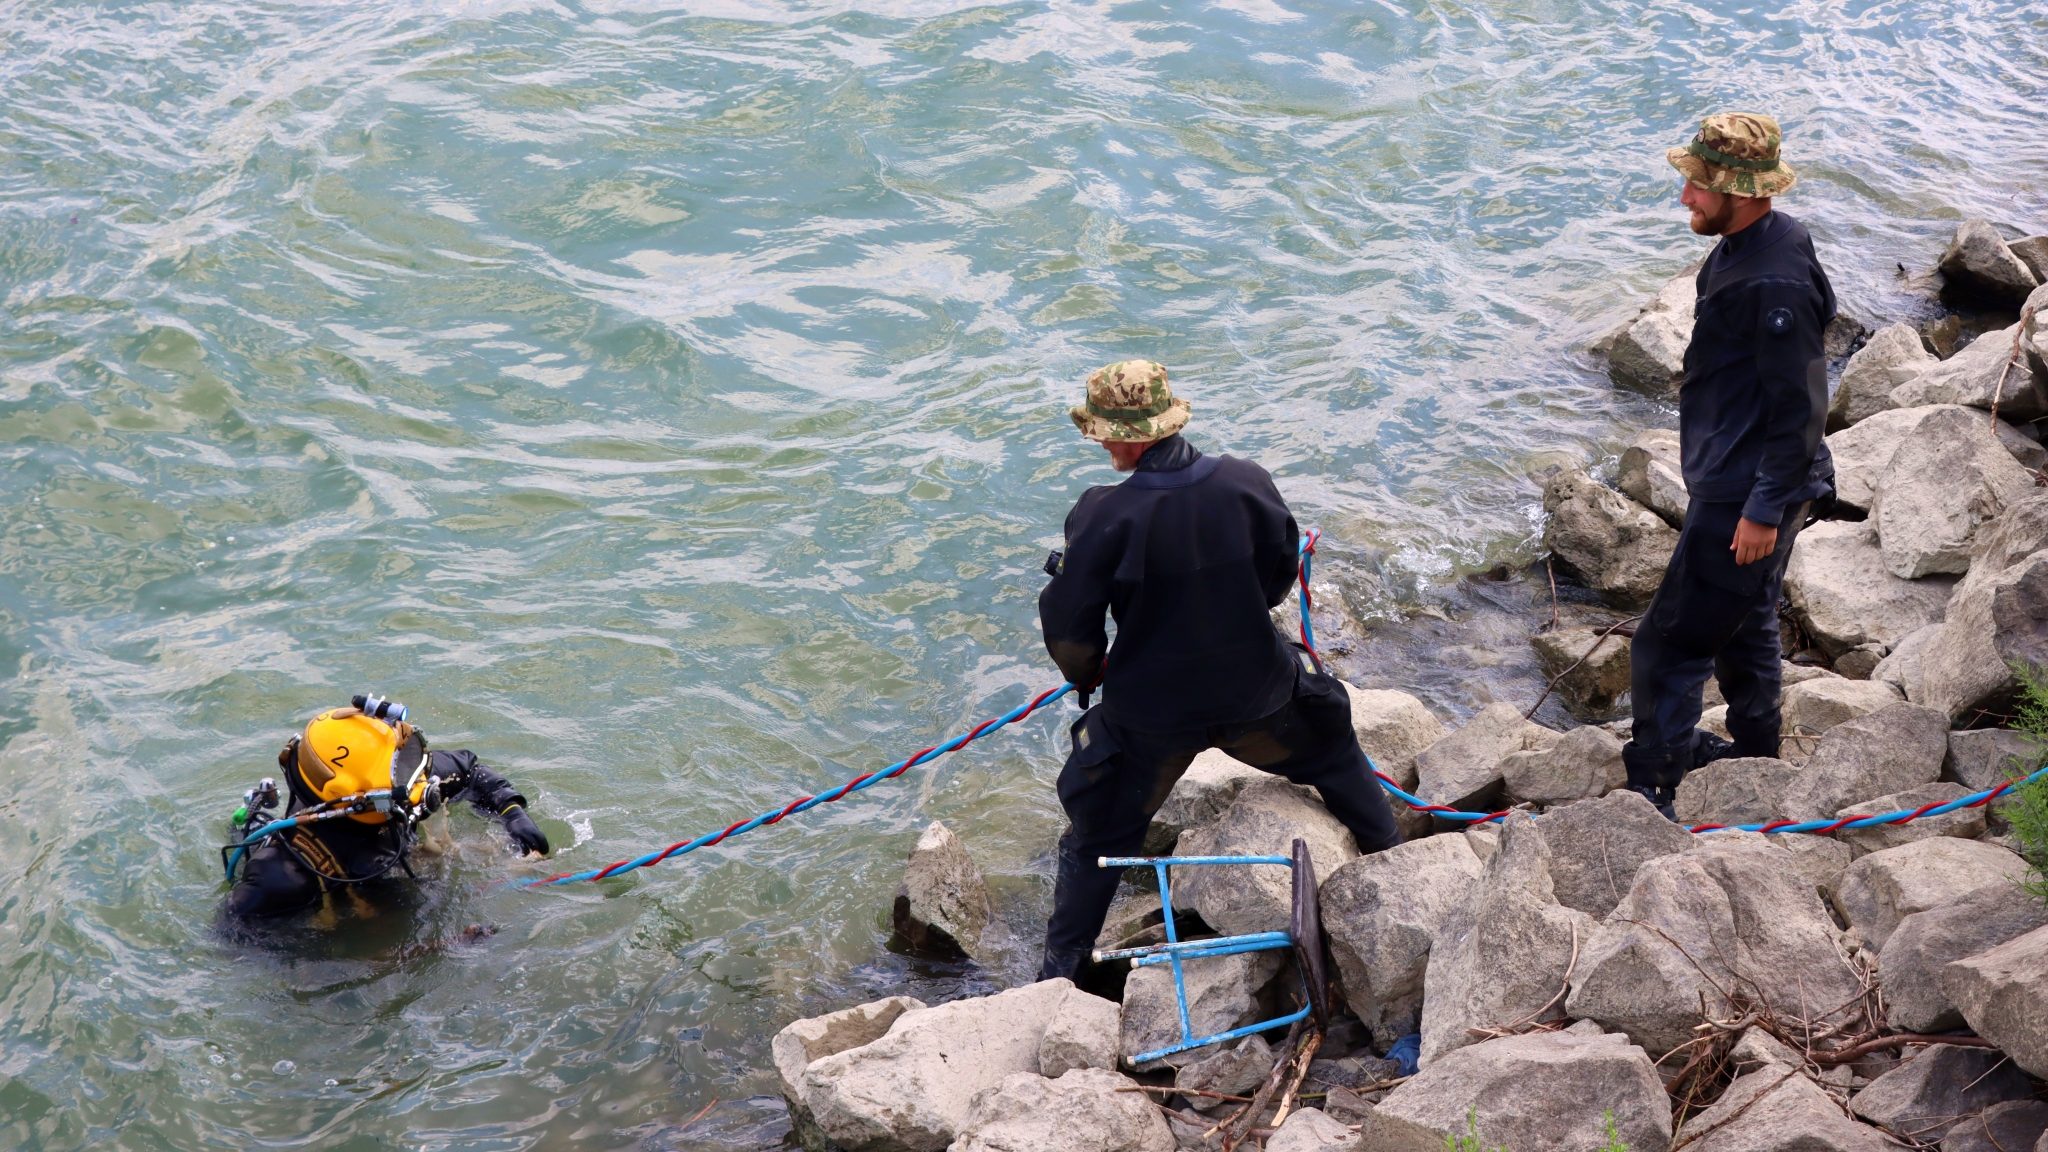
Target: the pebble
(284, 1067)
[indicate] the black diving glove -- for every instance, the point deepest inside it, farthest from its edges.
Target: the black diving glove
(524, 832)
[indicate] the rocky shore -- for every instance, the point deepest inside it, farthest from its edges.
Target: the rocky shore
(1584, 974)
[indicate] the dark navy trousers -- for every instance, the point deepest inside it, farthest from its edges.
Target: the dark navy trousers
(1710, 616)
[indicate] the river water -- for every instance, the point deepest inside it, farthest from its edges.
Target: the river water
(667, 401)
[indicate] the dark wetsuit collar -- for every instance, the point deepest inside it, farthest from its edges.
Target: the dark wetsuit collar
(1766, 231)
(1169, 455)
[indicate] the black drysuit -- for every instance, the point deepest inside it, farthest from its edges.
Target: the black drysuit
(1750, 415)
(1188, 554)
(288, 871)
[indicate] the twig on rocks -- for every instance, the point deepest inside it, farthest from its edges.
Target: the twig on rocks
(1530, 1022)
(1249, 1112)
(700, 1113)
(2026, 314)
(1899, 1040)
(1301, 1062)
(1169, 1090)
(1733, 1116)
(1550, 567)
(1610, 630)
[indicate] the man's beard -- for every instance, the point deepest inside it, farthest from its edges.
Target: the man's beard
(1716, 224)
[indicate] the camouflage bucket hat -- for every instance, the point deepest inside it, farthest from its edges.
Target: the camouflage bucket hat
(1735, 153)
(1129, 400)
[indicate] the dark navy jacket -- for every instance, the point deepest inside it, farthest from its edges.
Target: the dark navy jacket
(1188, 554)
(1755, 395)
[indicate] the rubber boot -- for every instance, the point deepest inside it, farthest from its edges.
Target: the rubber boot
(1654, 774)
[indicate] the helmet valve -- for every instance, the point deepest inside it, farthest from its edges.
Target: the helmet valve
(378, 708)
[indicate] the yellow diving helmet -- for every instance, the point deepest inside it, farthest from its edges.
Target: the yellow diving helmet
(347, 752)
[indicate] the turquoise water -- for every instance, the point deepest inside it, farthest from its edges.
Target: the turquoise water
(667, 402)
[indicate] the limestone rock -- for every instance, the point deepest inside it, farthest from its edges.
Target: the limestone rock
(811, 1039)
(1788, 675)
(1463, 769)
(1653, 475)
(1266, 818)
(1382, 914)
(1502, 954)
(1313, 1130)
(1597, 845)
(1885, 887)
(942, 907)
(1548, 1090)
(1963, 823)
(2033, 252)
(1739, 790)
(914, 1088)
(1774, 1110)
(1887, 751)
(1648, 353)
(1998, 620)
(1987, 757)
(1862, 453)
(1911, 963)
(2000, 1128)
(1617, 546)
(1223, 993)
(1820, 860)
(1135, 918)
(1726, 914)
(1082, 1033)
(1859, 662)
(1584, 764)
(1999, 993)
(1978, 377)
(1978, 269)
(1236, 1069)
(1891, 358)
(1929, 1093)
(1202, 794)
(1812, 708)
(2034, 334)
(1595, 668)
(1946, 480)
(1843, 595)
(1393, 728)
(1082, 1111)
(1901, 666)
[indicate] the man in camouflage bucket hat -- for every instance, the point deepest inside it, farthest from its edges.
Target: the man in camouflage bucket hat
(1750, 415)
(1188, 555)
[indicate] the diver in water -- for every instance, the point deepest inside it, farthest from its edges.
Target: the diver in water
(360, 780)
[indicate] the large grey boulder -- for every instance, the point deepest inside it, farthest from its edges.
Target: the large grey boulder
(1946, 480)
(1864, 452)
(2014, 1124)
(1597, 845)
(1891, 357)
(1910, 966)
(1963, 823)
(1591, 670)
(1996, 621)
(1886, 751)
(1987, 757)
(1653, 474)
(1843, 595)
(1901, 666)
(813, 1038)
(1504, 953)
(1885, 887)
(914, 1088)
(1585, 763)
(1617, 546)
(1788, 675)
(1463, 769)
(1313, 1130)
(1203, 793)
(1978, 269)
(2033, 252)
(1696, 926)
(1233, 1069)
(1082, 1111)
(1549, 1090)
(1980, 376)
(1082, 1033)
(1774, 1109)
(1999, 994)
(1739, 790)
(1224, 992)
(1382, 914)
(2034, 333)
(1648, 353)
(1933, 1090)
(942, 906)
(1393, 728)
(1265, 820)
(1815, 706)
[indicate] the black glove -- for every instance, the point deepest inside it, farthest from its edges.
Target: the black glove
(524, 832)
